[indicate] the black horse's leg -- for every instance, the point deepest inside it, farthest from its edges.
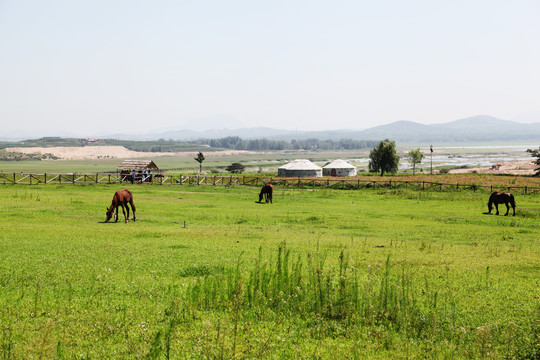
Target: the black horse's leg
(507, 209)
(497, 208)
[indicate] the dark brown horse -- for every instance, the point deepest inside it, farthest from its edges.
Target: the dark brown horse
(266, 192)
(502, 198)
(121, 198)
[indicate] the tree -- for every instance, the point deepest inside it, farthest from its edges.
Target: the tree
(200, 159)
(235, 168)
(383, 158)
(536, 154)
(415, 157)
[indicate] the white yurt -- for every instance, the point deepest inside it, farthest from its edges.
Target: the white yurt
(339, 168)
(300, 168)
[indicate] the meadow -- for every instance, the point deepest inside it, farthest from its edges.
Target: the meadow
(206, 272)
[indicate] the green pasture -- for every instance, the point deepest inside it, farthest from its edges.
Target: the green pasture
(207, 272)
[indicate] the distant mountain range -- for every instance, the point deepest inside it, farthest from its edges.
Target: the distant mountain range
(474, 129)
(479, 128)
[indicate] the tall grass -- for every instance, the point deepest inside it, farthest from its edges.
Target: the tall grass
(385, 299)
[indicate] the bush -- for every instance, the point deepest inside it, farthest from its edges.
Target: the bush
(235, 168)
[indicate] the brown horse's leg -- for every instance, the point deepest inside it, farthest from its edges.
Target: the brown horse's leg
(127, 209)
(124, 211)
(116, 214)
(132, 208)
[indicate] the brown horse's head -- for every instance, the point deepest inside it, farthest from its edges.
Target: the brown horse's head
(109, 213)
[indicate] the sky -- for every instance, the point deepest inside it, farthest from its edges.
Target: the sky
(92, 67)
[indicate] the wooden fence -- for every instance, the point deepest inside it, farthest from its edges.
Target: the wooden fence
(301, 183)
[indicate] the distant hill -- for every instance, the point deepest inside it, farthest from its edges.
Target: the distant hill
(479, 128)
(473, 129)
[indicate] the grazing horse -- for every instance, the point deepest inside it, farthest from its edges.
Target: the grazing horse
(121, 198)
(502, 198)
(266, 192)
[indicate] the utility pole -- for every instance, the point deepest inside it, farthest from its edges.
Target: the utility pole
(431, 149)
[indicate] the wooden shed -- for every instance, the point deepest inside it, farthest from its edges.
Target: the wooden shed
(137, 165)
(137, 170)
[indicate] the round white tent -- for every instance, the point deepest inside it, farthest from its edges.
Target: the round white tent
(300, 168)
(339, 168)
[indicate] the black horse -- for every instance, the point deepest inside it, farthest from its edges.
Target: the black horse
(502, 198)
(266, 192)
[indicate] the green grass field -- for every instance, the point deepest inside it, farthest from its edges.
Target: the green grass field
(317, 274)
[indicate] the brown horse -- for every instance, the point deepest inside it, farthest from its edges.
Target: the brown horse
(266, 192)
(502, 198)
(121, 198)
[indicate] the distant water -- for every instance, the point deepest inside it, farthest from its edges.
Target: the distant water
(490, 155)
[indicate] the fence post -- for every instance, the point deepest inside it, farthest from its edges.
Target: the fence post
(45, 177)
(97, 176)
(525, 190)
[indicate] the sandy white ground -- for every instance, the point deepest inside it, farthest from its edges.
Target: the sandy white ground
(104, 152)
(512, 167)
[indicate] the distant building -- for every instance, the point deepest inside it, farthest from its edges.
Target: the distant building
(137, 165)
(339, 168)
(300, 168)
(137, 170)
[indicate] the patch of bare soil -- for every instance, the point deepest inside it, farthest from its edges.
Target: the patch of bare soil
(512, 168)
(109, 152)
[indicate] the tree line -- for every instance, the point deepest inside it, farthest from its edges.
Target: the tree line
(237, 143)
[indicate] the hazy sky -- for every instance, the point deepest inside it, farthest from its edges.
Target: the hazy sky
(90, 67)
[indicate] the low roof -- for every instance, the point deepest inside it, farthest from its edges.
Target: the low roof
(138, 165)
(300, 164)
(339, 164)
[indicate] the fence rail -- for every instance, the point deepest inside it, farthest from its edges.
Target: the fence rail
(301, 183)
